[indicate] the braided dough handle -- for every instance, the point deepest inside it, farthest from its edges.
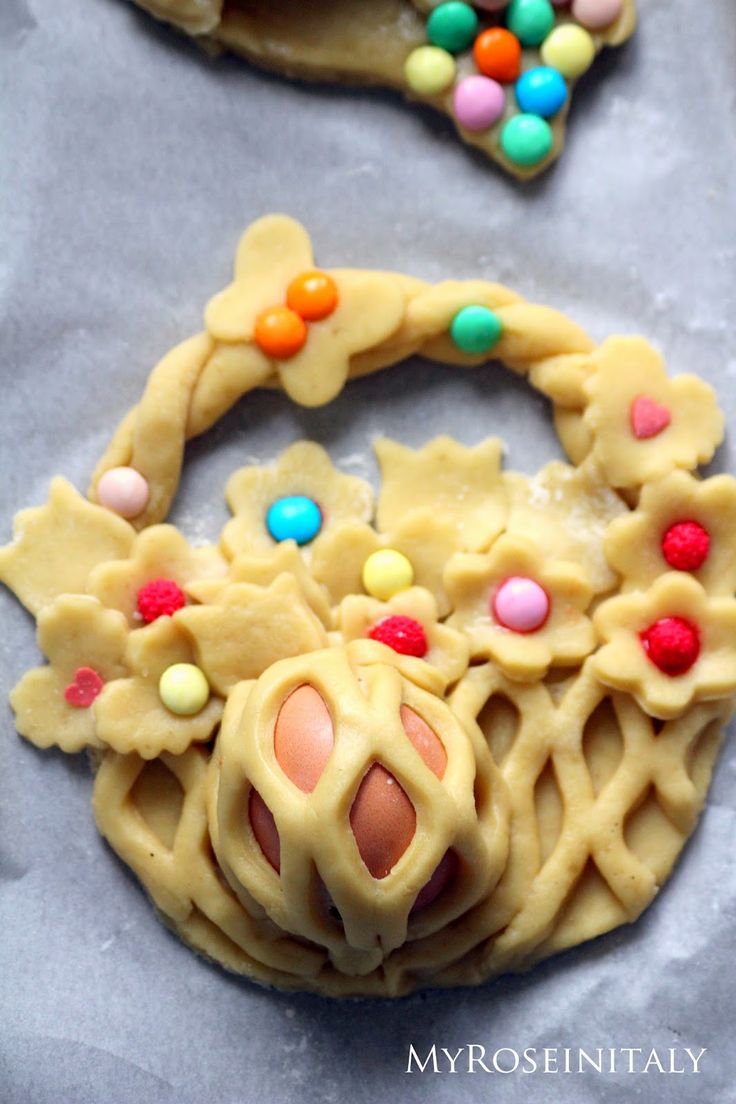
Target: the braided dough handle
(383, 318)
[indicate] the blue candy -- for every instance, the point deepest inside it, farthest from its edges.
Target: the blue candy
(541, 91)
(296, 518)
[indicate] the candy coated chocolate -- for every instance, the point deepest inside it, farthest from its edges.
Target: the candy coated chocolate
(521, 605)
(124, 491)
(183, 689)
(294, 517)
(541, 91)
(478, 102)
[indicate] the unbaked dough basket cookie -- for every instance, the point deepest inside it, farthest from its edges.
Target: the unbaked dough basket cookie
(361, 746)
(504, 71)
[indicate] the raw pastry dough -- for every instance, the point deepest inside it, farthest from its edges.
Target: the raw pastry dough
(369, 43)
(424, 789)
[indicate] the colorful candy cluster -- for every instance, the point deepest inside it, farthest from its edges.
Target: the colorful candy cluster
(504, 55)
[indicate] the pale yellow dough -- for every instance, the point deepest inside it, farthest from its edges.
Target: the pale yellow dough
(571, 769)
(361, 43)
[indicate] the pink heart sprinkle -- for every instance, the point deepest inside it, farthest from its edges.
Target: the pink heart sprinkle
(85, 688)
(648, 417)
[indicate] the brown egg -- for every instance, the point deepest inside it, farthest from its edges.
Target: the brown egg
(424, 740)
(434, 755)
(303, 737)
(264, 829)
(383, 821)
(443, 874)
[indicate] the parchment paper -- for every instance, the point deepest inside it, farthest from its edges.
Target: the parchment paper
(130, 164)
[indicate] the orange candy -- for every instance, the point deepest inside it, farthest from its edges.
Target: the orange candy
(312, 295)
(280, 332)
(497, 54)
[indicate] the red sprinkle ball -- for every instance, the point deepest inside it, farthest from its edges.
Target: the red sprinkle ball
(159, 598)
(672, 644)
(686, 545)
(405, 635)
(86, 687)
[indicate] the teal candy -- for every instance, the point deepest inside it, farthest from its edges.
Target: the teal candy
(530, 20)
(295, 517)
(452, 26)
(526, 139)
(475, 330)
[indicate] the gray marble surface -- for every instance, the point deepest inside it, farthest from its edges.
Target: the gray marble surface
(130, 163)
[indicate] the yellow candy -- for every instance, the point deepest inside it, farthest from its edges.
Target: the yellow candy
(429, 70)
(569, 49)
(387, 572)
(183, 689)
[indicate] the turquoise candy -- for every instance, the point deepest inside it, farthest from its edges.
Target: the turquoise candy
(475, 330)
(530, 20)
(541, 91)
(295, 517)
(453, 26)
(526, 139)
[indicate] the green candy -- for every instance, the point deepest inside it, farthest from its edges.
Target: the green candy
(526, 139)
(453, 26)
(475, 330)
(530, 20)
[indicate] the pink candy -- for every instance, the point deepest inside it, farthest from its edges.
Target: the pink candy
(124, 491)
(520, 604)
(596, 14)
(479, 102)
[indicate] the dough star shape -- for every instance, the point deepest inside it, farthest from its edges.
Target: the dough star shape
(441, 733)
(504, 71)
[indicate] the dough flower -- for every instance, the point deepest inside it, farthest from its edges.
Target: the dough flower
(130, 714)
(303, 469)
(682, 523)
(84, 643)
(462, 485)
(409, 623)
(567, 511)
(263, 569)
(248, 629)
(670, 646)
(644, 424)
(520, 610)
(426, 540)
(57, 545)
(272, 253)
(160, 552)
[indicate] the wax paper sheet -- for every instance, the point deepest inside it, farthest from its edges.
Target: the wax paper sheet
(130, 164)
